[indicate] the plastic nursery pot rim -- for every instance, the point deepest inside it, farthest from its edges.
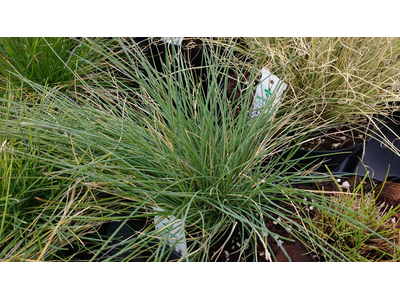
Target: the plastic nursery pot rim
(333, 157)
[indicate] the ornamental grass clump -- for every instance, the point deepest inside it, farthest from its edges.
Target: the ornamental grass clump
(165, 148)
(341, 82)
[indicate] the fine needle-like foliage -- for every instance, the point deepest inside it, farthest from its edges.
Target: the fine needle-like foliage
(168, 143)
(341, 81)
(51, 61)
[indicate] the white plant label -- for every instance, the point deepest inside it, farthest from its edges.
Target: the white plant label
(177, 41)
(270, 89)
(173, 232)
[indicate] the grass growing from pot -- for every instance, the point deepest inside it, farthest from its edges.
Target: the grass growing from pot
(346, 75)
(342, 81)
(179, 147)
(44, 214)
(358, 244)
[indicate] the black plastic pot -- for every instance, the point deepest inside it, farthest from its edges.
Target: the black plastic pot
(159, 53)
(156, 50)
(164, 56)
(377, 159)
(331, 159)
(128, 231)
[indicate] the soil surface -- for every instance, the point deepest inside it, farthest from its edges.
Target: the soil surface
(230, 252)
(334, 139)
(332, 186)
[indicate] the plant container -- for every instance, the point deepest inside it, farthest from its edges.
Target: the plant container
(331, 159)
(378, 161)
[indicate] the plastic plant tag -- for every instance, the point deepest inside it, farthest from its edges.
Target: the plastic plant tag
(269, 90)
(172, 232)
(177, 41)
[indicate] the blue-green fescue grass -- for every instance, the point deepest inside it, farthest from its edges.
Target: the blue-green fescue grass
(169, 144)
(41, 213)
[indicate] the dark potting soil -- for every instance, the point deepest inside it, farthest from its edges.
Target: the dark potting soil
(335, 139)
(230, 252)
(332, 186)
(387, 193)
(256, 253)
